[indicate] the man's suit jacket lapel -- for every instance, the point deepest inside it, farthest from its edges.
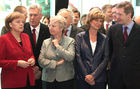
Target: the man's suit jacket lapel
(132, 34)
(29, 32)
(120, 34)
(73, 32)
(41, 34)
(130, 37)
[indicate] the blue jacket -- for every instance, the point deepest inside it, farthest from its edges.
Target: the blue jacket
(86, 61)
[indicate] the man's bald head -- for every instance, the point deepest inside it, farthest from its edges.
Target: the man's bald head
(137, 19)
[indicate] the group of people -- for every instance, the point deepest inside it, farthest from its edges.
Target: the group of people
(60, 55)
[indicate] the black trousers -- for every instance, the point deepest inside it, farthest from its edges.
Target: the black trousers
(58, 85)
(84, 85)
(38, 84)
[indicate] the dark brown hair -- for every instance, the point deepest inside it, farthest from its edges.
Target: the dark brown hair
(128, 8)
(105, 7)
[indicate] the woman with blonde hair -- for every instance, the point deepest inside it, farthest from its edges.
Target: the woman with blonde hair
(91, 60)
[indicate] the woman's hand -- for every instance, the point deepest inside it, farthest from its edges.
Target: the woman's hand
(31, 61)
(23, 64)
(60, 62)
(90, 79)
(55, 42)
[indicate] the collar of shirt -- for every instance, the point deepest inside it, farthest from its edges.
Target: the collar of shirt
(129, 27)
(37, 31)
(37, 28)
(110, 23)
(69, 30)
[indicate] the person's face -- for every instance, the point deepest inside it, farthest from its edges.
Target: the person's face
(96, 24)
(122, 17)
(25, 14)
(114, 14)
(83, 21)
(55, 29)
(76, 18)
(108, 14)
(34, 17)
(67, 17)
(17, 25)
(46, 21)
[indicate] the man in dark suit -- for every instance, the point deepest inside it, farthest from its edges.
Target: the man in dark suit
(37, 33)
(124, 45)
(107, 10)
(71, 29)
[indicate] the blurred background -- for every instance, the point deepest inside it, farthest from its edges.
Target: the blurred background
(48, 6)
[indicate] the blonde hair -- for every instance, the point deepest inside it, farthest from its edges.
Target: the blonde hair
(92, 15)
(11, 17)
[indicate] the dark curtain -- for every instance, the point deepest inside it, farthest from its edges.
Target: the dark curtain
(59, 4)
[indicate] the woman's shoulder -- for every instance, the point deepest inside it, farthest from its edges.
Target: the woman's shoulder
(47, 41)
(68, 38)
(5, 36)
(80, 34)
(102, 35)
(24, 34)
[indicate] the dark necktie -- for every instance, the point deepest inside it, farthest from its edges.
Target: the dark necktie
(66, 32)
(34, 36)
(125, 35)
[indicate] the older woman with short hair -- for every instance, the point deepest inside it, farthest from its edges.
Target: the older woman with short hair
(56, 57)
(16, 56)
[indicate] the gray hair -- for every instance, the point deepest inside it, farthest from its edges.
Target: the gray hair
(61, 20)
(34, 6)
(64, 10)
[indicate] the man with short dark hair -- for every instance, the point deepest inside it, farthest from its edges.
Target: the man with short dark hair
(124, 42)
(76, 18)
(107, 10)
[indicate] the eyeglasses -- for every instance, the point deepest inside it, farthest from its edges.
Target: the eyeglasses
(52, 26)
